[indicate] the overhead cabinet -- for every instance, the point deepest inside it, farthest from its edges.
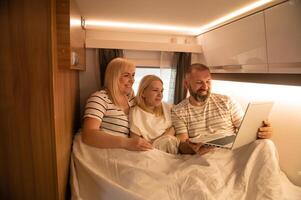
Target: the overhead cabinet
(237, 47)
(265, 42)
(283, 34)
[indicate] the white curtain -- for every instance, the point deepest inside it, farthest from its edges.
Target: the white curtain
(168, 75)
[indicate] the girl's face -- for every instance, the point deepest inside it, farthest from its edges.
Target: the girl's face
(126, 81)
(153, 94)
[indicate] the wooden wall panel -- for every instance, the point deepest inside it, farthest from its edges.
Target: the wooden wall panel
(28, 169)
(38, 105)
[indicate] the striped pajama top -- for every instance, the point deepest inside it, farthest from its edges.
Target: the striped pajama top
(220, 114)
(113, 120)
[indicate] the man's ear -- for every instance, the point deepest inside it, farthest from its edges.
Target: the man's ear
(186, 84)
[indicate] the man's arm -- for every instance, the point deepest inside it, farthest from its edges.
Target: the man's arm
(186, 147)
(181, 132)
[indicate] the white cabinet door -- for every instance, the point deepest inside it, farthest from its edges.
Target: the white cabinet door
(283, 32)
(237, 47)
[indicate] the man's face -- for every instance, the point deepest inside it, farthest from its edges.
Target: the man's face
(199, 84)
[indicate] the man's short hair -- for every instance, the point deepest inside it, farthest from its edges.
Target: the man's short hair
(196, 66)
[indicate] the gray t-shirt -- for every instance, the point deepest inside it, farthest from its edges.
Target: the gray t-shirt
(219, 114)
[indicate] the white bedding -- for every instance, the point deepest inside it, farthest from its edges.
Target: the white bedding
(251, 172)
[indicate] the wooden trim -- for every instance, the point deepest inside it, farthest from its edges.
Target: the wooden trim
(77, 38)
(65, 98)
(138, 45)
(63, 33)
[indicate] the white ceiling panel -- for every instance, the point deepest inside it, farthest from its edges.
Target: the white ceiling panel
(188, 13)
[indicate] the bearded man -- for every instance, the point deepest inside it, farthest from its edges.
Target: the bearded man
(204, 113)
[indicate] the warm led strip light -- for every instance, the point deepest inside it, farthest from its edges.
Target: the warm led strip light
(75, 22)
(187, 30)
(143, 26)
(287, 94)
(232, 15)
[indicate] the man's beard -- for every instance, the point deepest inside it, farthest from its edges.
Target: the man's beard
(199, 97)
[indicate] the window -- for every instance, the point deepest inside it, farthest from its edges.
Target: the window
(163, 73)
(160, 64)
(156, 63)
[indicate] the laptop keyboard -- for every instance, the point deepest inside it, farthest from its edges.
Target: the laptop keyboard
(224, 140)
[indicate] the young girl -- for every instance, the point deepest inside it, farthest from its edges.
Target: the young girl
(150, 118)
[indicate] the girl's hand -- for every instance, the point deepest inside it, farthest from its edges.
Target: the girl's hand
(170, 131)
(138, 144)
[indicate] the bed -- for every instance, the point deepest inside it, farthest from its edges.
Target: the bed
(245, 173)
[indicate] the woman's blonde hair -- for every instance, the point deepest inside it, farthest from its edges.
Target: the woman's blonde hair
(115, 68)
(145, 82)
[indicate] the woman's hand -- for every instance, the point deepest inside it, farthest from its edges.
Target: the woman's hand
(266, 131)
(137, 144)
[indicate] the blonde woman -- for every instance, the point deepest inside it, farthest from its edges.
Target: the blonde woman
(150, 118)
(106, 122)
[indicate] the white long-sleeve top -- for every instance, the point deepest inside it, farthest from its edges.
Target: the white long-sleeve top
(148, 125)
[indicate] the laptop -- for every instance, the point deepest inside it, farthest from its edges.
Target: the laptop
(256, 112)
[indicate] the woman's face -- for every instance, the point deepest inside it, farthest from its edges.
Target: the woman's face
(126, 81)
(153, 94)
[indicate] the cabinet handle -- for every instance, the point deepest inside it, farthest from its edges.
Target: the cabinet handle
(74, 58)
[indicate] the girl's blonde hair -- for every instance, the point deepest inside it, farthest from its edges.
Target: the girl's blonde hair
(115, 68)
(145, 82)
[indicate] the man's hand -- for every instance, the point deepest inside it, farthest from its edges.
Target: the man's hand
(266, 131)
(200, 148)
(205, 149)
(188, 147)
(194, 146)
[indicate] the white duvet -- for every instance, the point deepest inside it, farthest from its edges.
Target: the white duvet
(251, 172)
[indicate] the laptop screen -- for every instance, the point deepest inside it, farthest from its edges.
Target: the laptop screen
(255, 114)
